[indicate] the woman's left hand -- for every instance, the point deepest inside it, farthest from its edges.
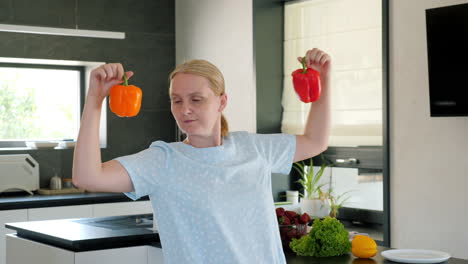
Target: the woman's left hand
(318, 60)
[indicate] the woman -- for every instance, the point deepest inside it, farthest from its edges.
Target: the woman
(211, 193)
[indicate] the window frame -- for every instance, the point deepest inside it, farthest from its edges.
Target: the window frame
(82, 87)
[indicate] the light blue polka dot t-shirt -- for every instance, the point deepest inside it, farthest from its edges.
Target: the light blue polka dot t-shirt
(214, 205)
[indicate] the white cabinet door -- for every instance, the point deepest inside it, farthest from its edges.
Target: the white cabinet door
(155, 255)
(91, 210)
(133, 255)
(39, 253)
(20, 250)
(60, 212)
(9, 216)
(123, 208)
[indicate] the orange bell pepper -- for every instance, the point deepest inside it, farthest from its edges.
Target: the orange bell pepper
(124, 99)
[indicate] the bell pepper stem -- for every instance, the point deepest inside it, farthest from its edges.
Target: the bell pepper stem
(304, 67)
(125, 80)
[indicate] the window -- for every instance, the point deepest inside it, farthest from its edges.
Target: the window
(42, 100)
(353, 32)
(39, 102)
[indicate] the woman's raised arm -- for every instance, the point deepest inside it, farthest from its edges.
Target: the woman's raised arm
(88, 170)
(317, 129)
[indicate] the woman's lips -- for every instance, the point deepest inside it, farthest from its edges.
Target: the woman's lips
(188, 121)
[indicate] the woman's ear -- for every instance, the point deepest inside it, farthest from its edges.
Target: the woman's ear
(223, 102)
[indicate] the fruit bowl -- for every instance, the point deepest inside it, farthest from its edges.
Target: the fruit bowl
(288, 232)
(291, 225)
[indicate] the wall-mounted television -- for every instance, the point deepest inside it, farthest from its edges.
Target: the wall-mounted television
(447, 50)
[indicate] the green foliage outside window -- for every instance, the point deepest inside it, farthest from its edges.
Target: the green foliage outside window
(16, 112)
(31, 109)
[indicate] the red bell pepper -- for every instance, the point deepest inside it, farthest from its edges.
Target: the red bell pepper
(306, 83)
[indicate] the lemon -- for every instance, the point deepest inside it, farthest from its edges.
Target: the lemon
(363, 246)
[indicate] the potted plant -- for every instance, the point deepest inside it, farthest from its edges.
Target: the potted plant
(337, 202)
(314, 201)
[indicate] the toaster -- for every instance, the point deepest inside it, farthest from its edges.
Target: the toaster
(18, 172)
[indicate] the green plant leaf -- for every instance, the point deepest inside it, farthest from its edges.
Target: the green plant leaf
(301, 181)
(299, 169)
(309, 179)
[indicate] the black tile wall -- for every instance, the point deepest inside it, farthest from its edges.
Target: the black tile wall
(148, 50)
(130, 15)
(55, 13)
(6, 13)
(268, 50)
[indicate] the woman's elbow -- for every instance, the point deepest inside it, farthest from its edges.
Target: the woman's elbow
(79, 181)
(324, 148)
(320, 146)
(319, 150)
(76, 181)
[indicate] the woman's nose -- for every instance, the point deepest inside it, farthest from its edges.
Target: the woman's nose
(186, 109)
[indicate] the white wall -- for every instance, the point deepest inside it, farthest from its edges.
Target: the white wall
(221, 31)
(429, 168)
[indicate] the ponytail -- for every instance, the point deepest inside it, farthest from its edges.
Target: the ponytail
(224, 126)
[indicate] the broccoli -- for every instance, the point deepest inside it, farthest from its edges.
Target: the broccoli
(327, 238)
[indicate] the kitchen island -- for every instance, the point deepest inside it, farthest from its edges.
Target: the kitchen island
(120, 239)
(117, 239)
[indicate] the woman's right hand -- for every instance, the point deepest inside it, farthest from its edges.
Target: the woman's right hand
(104, 77)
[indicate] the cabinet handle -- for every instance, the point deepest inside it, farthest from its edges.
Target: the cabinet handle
(347, 161)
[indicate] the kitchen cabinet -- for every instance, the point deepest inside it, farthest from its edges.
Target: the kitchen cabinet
(155, 255)
(136, 255)
(9, 216)
(45, 254)
(37, 214)
(36, 252)
(92, 210)
(60, 212)
(64, 212)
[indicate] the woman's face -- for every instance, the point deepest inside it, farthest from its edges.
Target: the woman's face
(194, 105)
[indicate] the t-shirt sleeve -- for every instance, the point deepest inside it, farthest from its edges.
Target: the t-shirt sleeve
(145, 169)
(277, 149)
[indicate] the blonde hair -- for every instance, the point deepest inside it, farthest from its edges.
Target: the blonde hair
(214, 76)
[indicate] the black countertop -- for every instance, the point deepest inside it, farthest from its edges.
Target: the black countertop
(291, 258)
(84, 234)
(12, 202)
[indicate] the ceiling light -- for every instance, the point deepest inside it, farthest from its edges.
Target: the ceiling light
(62, 31)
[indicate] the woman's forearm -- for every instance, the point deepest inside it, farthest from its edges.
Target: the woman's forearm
(317, 128)
(87, 162)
